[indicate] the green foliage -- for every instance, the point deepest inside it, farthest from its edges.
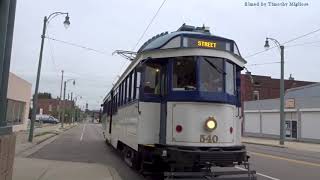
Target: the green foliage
(44, 95)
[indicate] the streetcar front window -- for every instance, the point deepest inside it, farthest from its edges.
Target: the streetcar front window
(152, 79)
(184, 74)
(230, 78)
(211, 74)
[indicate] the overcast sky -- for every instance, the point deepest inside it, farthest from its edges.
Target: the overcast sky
(108, 25)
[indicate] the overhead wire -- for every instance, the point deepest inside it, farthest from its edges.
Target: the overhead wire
(286, 42)
(141, 37)
(267, 63)
(148, 26)
(76, 45)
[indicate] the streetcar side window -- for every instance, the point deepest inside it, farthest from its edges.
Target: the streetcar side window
(152, 79)
(119, 95)
(129, 87)
(184, 74)
(211, 74)
(137, 87)
(230, 78)
(132, 86)
(125, 91)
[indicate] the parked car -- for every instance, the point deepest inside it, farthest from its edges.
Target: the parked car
(46, 119)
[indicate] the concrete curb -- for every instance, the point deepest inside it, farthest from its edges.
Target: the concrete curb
(271, 145)
(43, 142)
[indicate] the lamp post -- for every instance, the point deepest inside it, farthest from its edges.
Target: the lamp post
(64, 99)
(282, 120)
(43, 36)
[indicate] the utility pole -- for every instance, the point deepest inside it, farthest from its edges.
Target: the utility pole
(282, 120)
(63, 103)
(59, 116)
(72, 116)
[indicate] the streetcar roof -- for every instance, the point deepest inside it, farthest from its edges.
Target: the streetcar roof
(186, 37)
(190, 37)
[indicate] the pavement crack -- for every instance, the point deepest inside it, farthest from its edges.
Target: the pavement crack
(44, 172)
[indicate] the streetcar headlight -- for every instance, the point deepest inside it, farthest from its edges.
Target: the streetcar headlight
(211, 124)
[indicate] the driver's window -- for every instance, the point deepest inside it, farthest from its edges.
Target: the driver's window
(152, 79)
(184, 74)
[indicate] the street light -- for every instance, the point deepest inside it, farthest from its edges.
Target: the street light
(35, 96)
(282, 121)
(66, 22)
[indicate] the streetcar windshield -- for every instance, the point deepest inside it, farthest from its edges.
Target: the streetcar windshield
(184, 74)
(211, 74)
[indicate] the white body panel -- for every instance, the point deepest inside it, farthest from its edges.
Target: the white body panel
(132, 128)
(192, 116)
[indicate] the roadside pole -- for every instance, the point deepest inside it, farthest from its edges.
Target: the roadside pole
(63, 104)
(59, 116)
(282, 120)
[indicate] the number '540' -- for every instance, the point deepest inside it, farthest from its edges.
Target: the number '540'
(208, 138)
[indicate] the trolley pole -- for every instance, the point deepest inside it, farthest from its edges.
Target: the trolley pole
(282, 120)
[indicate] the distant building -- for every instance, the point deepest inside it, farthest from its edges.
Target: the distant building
(18, 102)
(51, 106)
(256, 87)
(302, 115)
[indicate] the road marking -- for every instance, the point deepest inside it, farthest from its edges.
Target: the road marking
(285, 159)
(263, 175)
(84, 127)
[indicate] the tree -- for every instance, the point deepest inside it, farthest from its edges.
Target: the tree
(44, 95)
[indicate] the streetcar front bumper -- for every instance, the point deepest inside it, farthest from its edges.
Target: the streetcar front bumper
(200, 157)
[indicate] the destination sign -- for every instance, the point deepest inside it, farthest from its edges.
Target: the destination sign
(209, 44)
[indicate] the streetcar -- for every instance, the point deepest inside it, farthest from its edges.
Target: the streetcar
(176, 109)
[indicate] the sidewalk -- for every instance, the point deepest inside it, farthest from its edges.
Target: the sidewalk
(38, 169)
(41, 134)
(288, 144)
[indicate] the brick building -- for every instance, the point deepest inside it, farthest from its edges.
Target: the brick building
(256, 87)
(51, 106)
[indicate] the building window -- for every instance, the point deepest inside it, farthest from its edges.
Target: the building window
(256, 95)
(15, 112)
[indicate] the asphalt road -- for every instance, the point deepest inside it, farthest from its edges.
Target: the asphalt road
(85, 144)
